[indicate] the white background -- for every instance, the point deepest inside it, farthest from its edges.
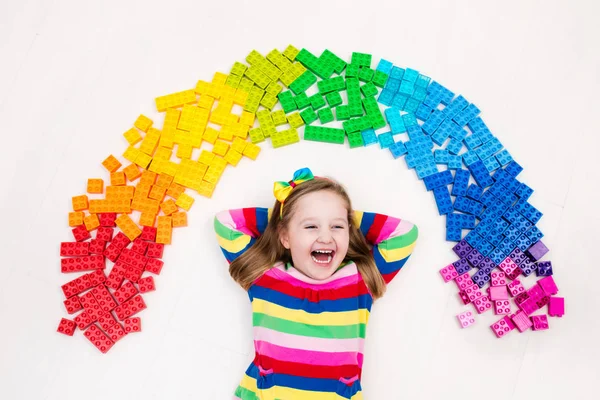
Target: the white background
(74, 76)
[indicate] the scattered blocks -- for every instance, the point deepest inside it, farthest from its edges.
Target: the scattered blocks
(466, 319)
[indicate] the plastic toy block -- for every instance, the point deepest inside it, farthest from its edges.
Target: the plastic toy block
(544, 268)
(185, 201)
(78, 264)
(502, 307)
(398, 149)
(139, 246)
(125, 292)
(481, 174)
(308, 116)
(527, 267)
(325, 115)
(115, 332)
(556, 307)
(498, 293)
(179, 219)
(521, 321)
(91, 222)
(548, 285)
(146, 284)
(76, 218)
(233, 157)
(317, 101)
(498, 279)
(355, 139)
(540, 322)
(82, 283)
(466, 319)
(369, 137)
(129, 228)
(143, 123)
(466, 115)
(113, 250)
(72, 304)
(164, 230)
(386, 140)
(130, 307)
(322, 134)
(454, 162)
(66, 327)
(286, 137)
(481, 277)
(303, 82)
(154, 266)
(438, 180)
(168, 207)
(462, 248)
(80, 203)
(148, 233)
(334, 99)
(513, 169)
(467, 205)
(474, 192)
(464, 298)
(132, 325)
(442, 156)
(132, 172)
(251, 151)
(106, 320)
(95, 186)
(366, 74)
(117, 178)
(379, 78)
(462, 266)
(157, 193)
(464, 282)
(503, 326)
(461, 182)
(433, 122)
(111, 163)
(132, 136)
(132, 274)
(448, 273)
(73, 249)
(342, 113)
(537, 251)
(84, 319)
(98, 339)
(392, 115)
(482, 304)
(104, 298)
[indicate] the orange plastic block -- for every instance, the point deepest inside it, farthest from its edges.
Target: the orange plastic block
(117, 178)
(111, 163)
(175, 190)
(164, 181)
(157, 193)
(169, 207)
(164, 230)
(95, 186)
(133, 136)
(132, 172)
(75, 218)
(80, 202)
(145, 205)
(143, 123)
(129, 228)
(185, 201)
(147, 219)
(143, 190)
(91, 222)
(110, 205)
(148, 177)
(120, 192)
(179, 219)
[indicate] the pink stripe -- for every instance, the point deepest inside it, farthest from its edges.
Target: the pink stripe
(402, 228)
(388, 228)
(305, 356)
(308, 343)
(346, 276)
(239, 221)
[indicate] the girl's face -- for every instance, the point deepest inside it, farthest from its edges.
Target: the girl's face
(318, 234)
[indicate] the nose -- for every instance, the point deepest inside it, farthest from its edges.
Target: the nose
(324, 236)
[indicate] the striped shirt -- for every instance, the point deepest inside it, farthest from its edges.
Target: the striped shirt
(309, 334)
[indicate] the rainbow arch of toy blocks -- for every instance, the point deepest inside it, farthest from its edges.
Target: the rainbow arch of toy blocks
(120, 229)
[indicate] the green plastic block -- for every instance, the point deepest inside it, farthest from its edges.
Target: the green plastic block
(361, 59)
(279, 60)
(238, 69)
(355, 109)
(290, 52)
(246, 84)
(256, 135)
(352, 70)
(332, 84)
(325, 115)
(342, 113)
(233, 81)
(357, 124)
(380, 78)
(274, 88)
(317, 101)
(268, 101)
(322, 134)
(366, 74)
(355, 139)
(369, 89)
(283, 138)
(337, 63)
(287, 101)
(334, 99)
(302, 101)
(309, 116)
(295, 120)
(303, 82)
(279, 117)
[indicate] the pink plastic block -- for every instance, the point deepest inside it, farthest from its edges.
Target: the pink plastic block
(540, 322)
(556, 307)
(463, 296)
(473, 292)
(516, 288)
(498, 293)
(522, 321)
(529, 306)
(502, 307)
(536, 292)
(466, 319)
(498, 278)
(448, 273)
(508, 265)
(464, 281)
(482, 304)
(502, 327)
(548, 285)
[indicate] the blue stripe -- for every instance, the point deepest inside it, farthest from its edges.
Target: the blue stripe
(273, 296)
(262, 219)
(367, 221)
(232, 256)
(384, 266)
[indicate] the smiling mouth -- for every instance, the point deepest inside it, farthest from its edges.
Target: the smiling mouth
(322, 257)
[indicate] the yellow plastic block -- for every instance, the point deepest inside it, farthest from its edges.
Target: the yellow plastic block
(131, 154)
(251, 151)
(283, 138)
(175, 190)
(185, 201)
(246, 84)
(117, 178)
(143, 160)
(133, 136)
(164, 230)
(75, 218)
(295, 120)
(147, 219)
(206, 102)
(206, 189)
(164, 181)
(157, 165)
(219, 163)
(163, 153)
(169, 207)
(143, 123)
(129, 228)
(279, 117)
(189, 115)
(170, 168)
(121, 192)
(226, 133)
(91, 222)
(274, 88)
(148, 177)
(184, 151)
(157, 193)
(80, 203)
(150, 141)
(206, 157)
(280, 61)
(220, 148)
(219, 78)
(256, 135)
(227, 93)
(212, 174)
(179, 219)
(247, 118)
(240, 97)
(132, 172)
(190, 173)
(175, 100)
(258, 77)
(110, 206)
(95, 186)
(111, 163)
(239, 145)
(291, 52)
(233, 157)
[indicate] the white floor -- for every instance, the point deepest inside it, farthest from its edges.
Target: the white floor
(74, 77)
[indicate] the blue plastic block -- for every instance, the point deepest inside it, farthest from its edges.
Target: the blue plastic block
(424, 170)
(544, 268)
(472, 142)
(524, 191)
(462, 266)
(456, 106)
(474, 192)
(385, 140)
(369, 137)
(534, 233)
(446, 96)
(441, 156)
(485, 247)
(398, 149)
(473, 238)
(491, 164)
(422, 81)
(384, 66)
(410, 75)
(415, 132)
(440, 179)
(476, 125)
(463, 221)
(433, 100)
(502, 193)
(433, 122)
(406, 88)
(411, 105)
(511, 215)
(443, 200)
(530, 212)
(498, 255)
(513, 168)
(467, 115)
(523, 243)
(454, 161)
(469, 158)
(512, 233)
(386, 97)
(467, 205)
(440, 136)
(392, 115)
(392, 85)
(504, 157)
(484, 135)
(454, 146)
(458, 134)
(399, 101)
(419, 94)
(410, 119)
(481, 174)
(501, 176)
(397, 73)
(419, 146)
(453, 234)
(423, 112)
(461, 182)
(512, 185)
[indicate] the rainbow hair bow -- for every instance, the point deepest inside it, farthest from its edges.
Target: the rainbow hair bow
(282, 190)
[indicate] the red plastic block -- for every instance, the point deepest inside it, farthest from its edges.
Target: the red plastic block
(498, 293)
(113, 250)
(115, 278)
(76, 286)
(155, 250)
(154, 265)
(516, 288)
(133, 274)
(148, 233)
(127, 291)
(66, 327)
(107, 219)
(540, 322)
(115, 332)
(482, 304)
(74, 249)
(146, 284)
(521, 320)
(104, 298)
(80, 233)
(139, 246)
(97, 246)
(132, 324)
(466, 319)
(133, 259)
(85, 319)
(106, 320)
(449, 273)
(130, 307)
(548, 285)
(78, 264)
(556, 307)
(502, 307)
(105, 233)
(498, 278)
(72, 304)
(98, 338)
(97, 277)
(502, 327)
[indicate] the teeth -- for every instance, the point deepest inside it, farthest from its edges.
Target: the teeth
(322, 262)
(324, 251)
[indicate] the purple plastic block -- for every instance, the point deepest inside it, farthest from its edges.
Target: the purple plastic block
(462, 248)
(537, 251)
(466, 319)
(527, 266)
(556, 307)
(475, 258)
(548, 285)
(502, 327)
(448, 273)
(540, 322)
(487, 265)
(518, 256)
(498, 293)
(461, 266)
(522, 321)
(544, 268)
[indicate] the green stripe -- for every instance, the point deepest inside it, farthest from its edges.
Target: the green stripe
(401, 241)
(321, 331)
(225, 232)
(245, 394)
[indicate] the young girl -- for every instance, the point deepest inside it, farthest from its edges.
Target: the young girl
(312, 268)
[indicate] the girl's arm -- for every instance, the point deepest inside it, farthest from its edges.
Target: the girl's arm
(392, 239)
(238, 229)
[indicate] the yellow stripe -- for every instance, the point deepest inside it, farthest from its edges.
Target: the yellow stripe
(278, 392)
(358, 218)
(397, 254)
(340, 318)
(234, 246)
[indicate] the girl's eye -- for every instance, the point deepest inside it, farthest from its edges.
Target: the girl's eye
(338, 227)
(310, 227)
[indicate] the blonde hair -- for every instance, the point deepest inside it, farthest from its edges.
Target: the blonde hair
(268, 250)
